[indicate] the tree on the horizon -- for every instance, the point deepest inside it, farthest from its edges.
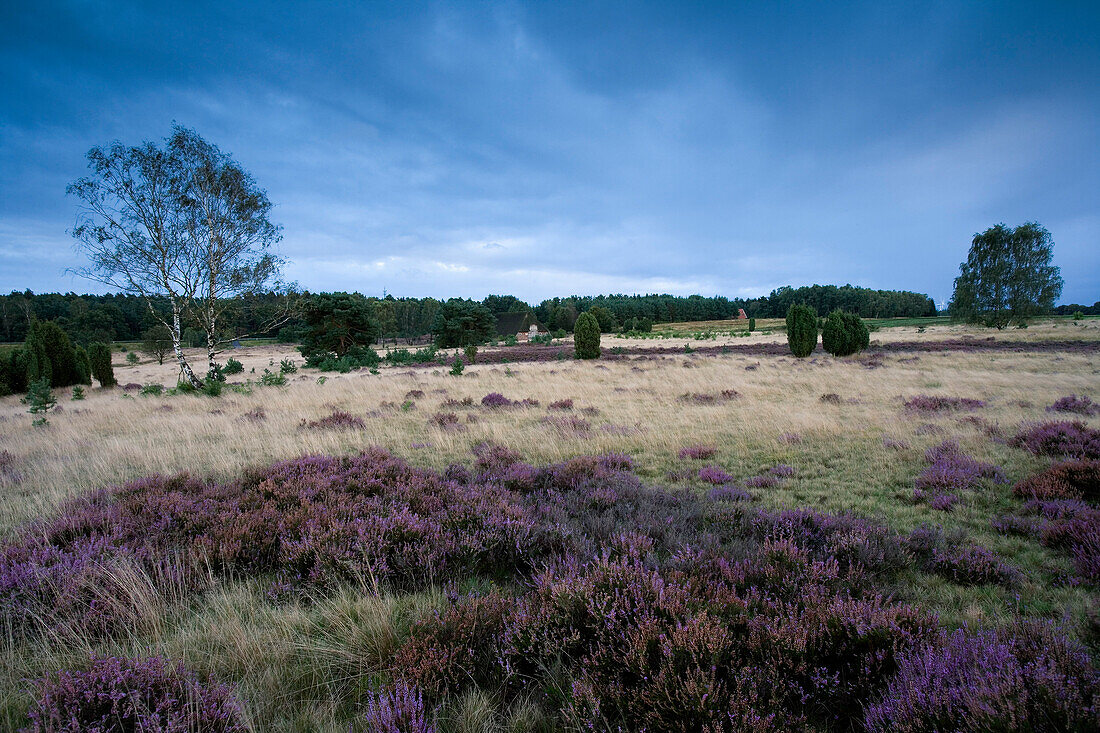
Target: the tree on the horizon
(462, 322)
(1007, 277)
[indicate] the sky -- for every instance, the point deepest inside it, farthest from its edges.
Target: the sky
(552, 148)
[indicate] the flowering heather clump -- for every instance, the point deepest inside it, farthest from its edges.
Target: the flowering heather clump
(944, 502)
(339, 519)
(930, 429)
(338, 420)
(698, 452)
(892, 444)
(1074, 439)
(704, 644)
(972, 565)
(767, 481)
(414, 394)
(928, 403)
(147, 695)
(495, 399)
(782, 470)
(1080, 405)
(728, 493)
(1032, 678)
(1069, 480)
(566, 404)
(397, 710)
(952, 470)
(790, 438)
(1079, 535)
(713, 475)
(452, 403)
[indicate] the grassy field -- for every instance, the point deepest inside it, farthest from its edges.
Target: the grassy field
(308, 663)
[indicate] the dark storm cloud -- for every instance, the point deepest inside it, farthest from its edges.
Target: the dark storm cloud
(550, 148)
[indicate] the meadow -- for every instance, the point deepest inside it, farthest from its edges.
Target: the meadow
(693, 532)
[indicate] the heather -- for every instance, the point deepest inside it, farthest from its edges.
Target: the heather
(1034, 678)
(1082, 405)
(148, 695)
(927, 403)
(1073, 439)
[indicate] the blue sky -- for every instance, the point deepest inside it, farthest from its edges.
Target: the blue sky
(540, 149)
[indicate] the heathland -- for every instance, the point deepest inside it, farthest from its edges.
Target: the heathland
(698, 528)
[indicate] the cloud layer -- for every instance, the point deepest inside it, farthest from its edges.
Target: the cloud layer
(548, 149)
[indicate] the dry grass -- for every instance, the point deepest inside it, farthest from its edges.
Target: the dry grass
(114, 436)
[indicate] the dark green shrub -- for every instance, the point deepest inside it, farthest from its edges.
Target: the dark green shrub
(99, 354)
(287, 366)
(645, 325)
(50, 355)
(801, 330)
(13, 372)
(586, 336)
(471, 353)
(1078, 316)
(212, 387)
(752, 325)
(844, 334)
(78, 393)
(132, 358)
(83, 366)
(272, 379)
(39, 396)
(232, 366)
(457, 367)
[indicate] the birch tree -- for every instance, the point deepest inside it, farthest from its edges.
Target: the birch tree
(183, 225)
(227, 234)
(130, 226)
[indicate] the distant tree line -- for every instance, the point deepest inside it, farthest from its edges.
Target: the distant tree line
(107, 318)
(563, 312)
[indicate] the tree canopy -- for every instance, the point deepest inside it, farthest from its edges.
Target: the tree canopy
(338, 323)
(1008, 276)
(462, 322)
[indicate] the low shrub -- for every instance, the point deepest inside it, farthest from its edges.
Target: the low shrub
(338, 420)
(148, 695)
(1070, 480)
(272, 379)
(232, 366)
(929, 403)
(1072, 439)
(565, 404)
(713, 475)
(844, 334)
(698, 452)
(1033, 677)
(495, 399)
(1079, 405)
